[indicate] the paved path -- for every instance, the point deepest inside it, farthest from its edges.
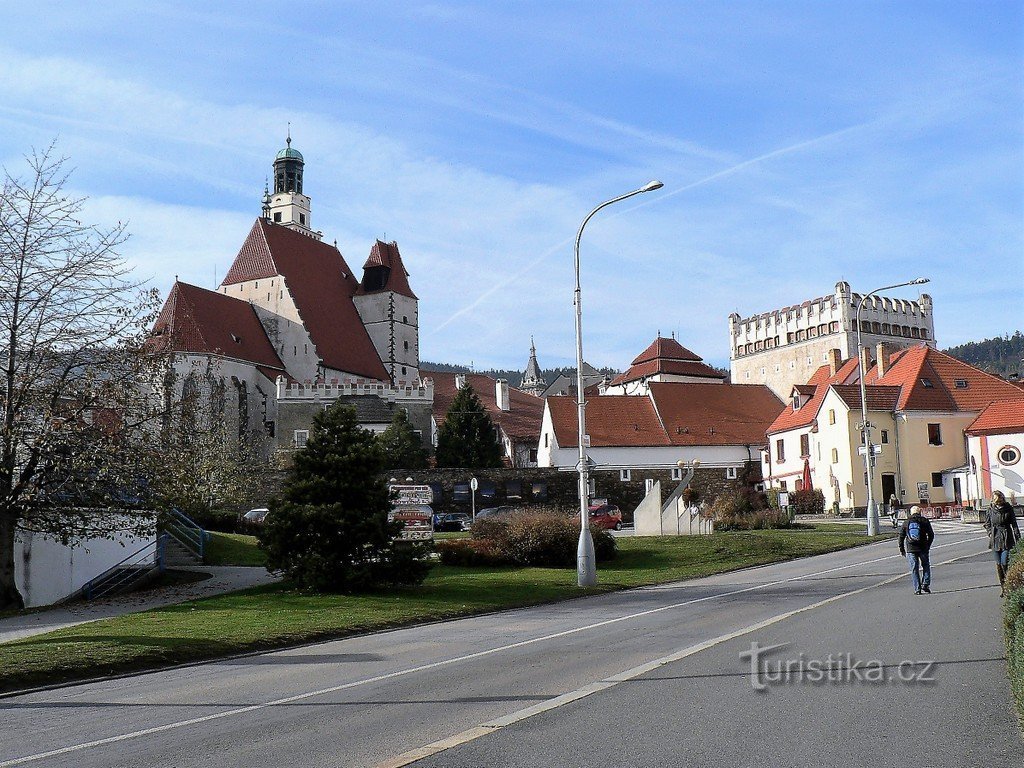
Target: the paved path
(650, 677)
(223, 579)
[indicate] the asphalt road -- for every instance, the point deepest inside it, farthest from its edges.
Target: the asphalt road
(650, 677)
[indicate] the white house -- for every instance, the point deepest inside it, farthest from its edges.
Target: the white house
(995, 446)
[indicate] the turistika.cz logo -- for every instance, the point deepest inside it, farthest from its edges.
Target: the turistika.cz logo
(834, 669)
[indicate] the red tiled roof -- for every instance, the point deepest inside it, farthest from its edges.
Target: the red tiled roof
(880, 397)
(522, 420)
(675, 413)
(387, 255)
(999, 418)
(714, 414)
(910, 368)
(612, 420)
(670, 357)
(321, 285)
(805, 415)
(666, 349)
(199, 321)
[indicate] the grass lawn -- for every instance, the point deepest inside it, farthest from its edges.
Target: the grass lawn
(276, 615)
(233, 549)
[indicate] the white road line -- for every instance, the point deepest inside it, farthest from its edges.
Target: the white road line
(476, 732)
(434, 665)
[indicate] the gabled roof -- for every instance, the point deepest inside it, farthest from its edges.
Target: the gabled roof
(612, 421)
(521, 422)
(674, 413)
(321, 285)
(199, 321)
(1000, 418)
(805, 415)
(914, 369)
(667, 356)
(714, 414)
(880, 397)
(396, 279)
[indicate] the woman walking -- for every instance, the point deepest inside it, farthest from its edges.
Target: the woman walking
(1003, 533)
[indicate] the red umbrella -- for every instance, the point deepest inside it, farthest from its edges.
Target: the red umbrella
(807, 475)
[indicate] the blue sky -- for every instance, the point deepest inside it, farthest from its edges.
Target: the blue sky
(800, 143)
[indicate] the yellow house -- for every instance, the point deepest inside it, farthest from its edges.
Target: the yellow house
(920, 402)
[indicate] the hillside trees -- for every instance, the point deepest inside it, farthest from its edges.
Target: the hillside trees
(72, 327)
(467, 437)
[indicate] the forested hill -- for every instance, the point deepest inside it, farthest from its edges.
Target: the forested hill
(513, 377)
(1001, 355)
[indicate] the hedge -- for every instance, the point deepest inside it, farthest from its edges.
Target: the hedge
(1013, 627)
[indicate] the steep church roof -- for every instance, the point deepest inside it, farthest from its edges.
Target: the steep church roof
(321, 285)
(198, 321)
(384, 271)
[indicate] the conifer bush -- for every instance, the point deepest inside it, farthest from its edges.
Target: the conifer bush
(330, 531)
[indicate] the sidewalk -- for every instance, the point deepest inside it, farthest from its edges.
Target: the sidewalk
(223, 579)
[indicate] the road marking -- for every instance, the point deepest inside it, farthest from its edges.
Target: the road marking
(478, 731)
(435, 665)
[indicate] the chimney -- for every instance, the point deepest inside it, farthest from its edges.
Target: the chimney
(501, 394)
(865, 361)
(834, 358)
(460, 380)
(882, 352)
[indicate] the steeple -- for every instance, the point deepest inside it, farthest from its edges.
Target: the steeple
(289, 206)
(532, 381)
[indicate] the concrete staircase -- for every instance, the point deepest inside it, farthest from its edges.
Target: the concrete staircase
(177, 555)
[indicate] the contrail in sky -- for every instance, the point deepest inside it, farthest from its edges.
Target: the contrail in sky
(653, 201)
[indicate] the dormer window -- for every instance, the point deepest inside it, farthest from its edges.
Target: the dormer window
(960, 383)
(796, 401)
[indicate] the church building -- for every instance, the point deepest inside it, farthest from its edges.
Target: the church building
(292, 328)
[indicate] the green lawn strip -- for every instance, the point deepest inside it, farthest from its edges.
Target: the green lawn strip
(233, 549)
(275, 616)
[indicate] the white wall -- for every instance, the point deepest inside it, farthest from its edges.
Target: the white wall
(47, 571)
(1008, 478)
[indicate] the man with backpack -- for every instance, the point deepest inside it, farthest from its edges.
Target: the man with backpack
(916, 538)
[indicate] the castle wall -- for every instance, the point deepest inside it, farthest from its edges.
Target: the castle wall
(783, 347)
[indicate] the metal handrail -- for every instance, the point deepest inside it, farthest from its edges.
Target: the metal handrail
(128, 571)
(187, 532)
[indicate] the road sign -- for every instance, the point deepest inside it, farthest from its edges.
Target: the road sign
(876, 450)
(474, 483)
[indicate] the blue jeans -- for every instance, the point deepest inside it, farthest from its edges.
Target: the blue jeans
(1002, 557)
(925, 578)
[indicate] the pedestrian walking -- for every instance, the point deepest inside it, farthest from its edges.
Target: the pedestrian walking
(894, 510)
(1003, 533)
(916, 537)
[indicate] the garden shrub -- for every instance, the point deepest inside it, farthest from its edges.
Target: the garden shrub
(540, 539)
(744, 510)
(469, 552)
(810, 502)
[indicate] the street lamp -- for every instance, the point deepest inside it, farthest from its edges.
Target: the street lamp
(586, 566)
(869, 463)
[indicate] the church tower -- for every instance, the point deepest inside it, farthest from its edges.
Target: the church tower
(390, 311)
(532, 382)
(287, 205)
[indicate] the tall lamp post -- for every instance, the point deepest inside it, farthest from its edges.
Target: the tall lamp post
(865, 426)
(586, 566)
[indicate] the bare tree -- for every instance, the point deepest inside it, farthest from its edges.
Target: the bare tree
(73, 329)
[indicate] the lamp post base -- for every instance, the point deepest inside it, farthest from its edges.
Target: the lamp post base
(586, 561)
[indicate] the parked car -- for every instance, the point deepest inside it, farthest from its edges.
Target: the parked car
(495, 512)
(255, 518)
(606, 516)
(453, 521)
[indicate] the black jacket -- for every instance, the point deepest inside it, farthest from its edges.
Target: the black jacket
(927, 535)
(1001, 523)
